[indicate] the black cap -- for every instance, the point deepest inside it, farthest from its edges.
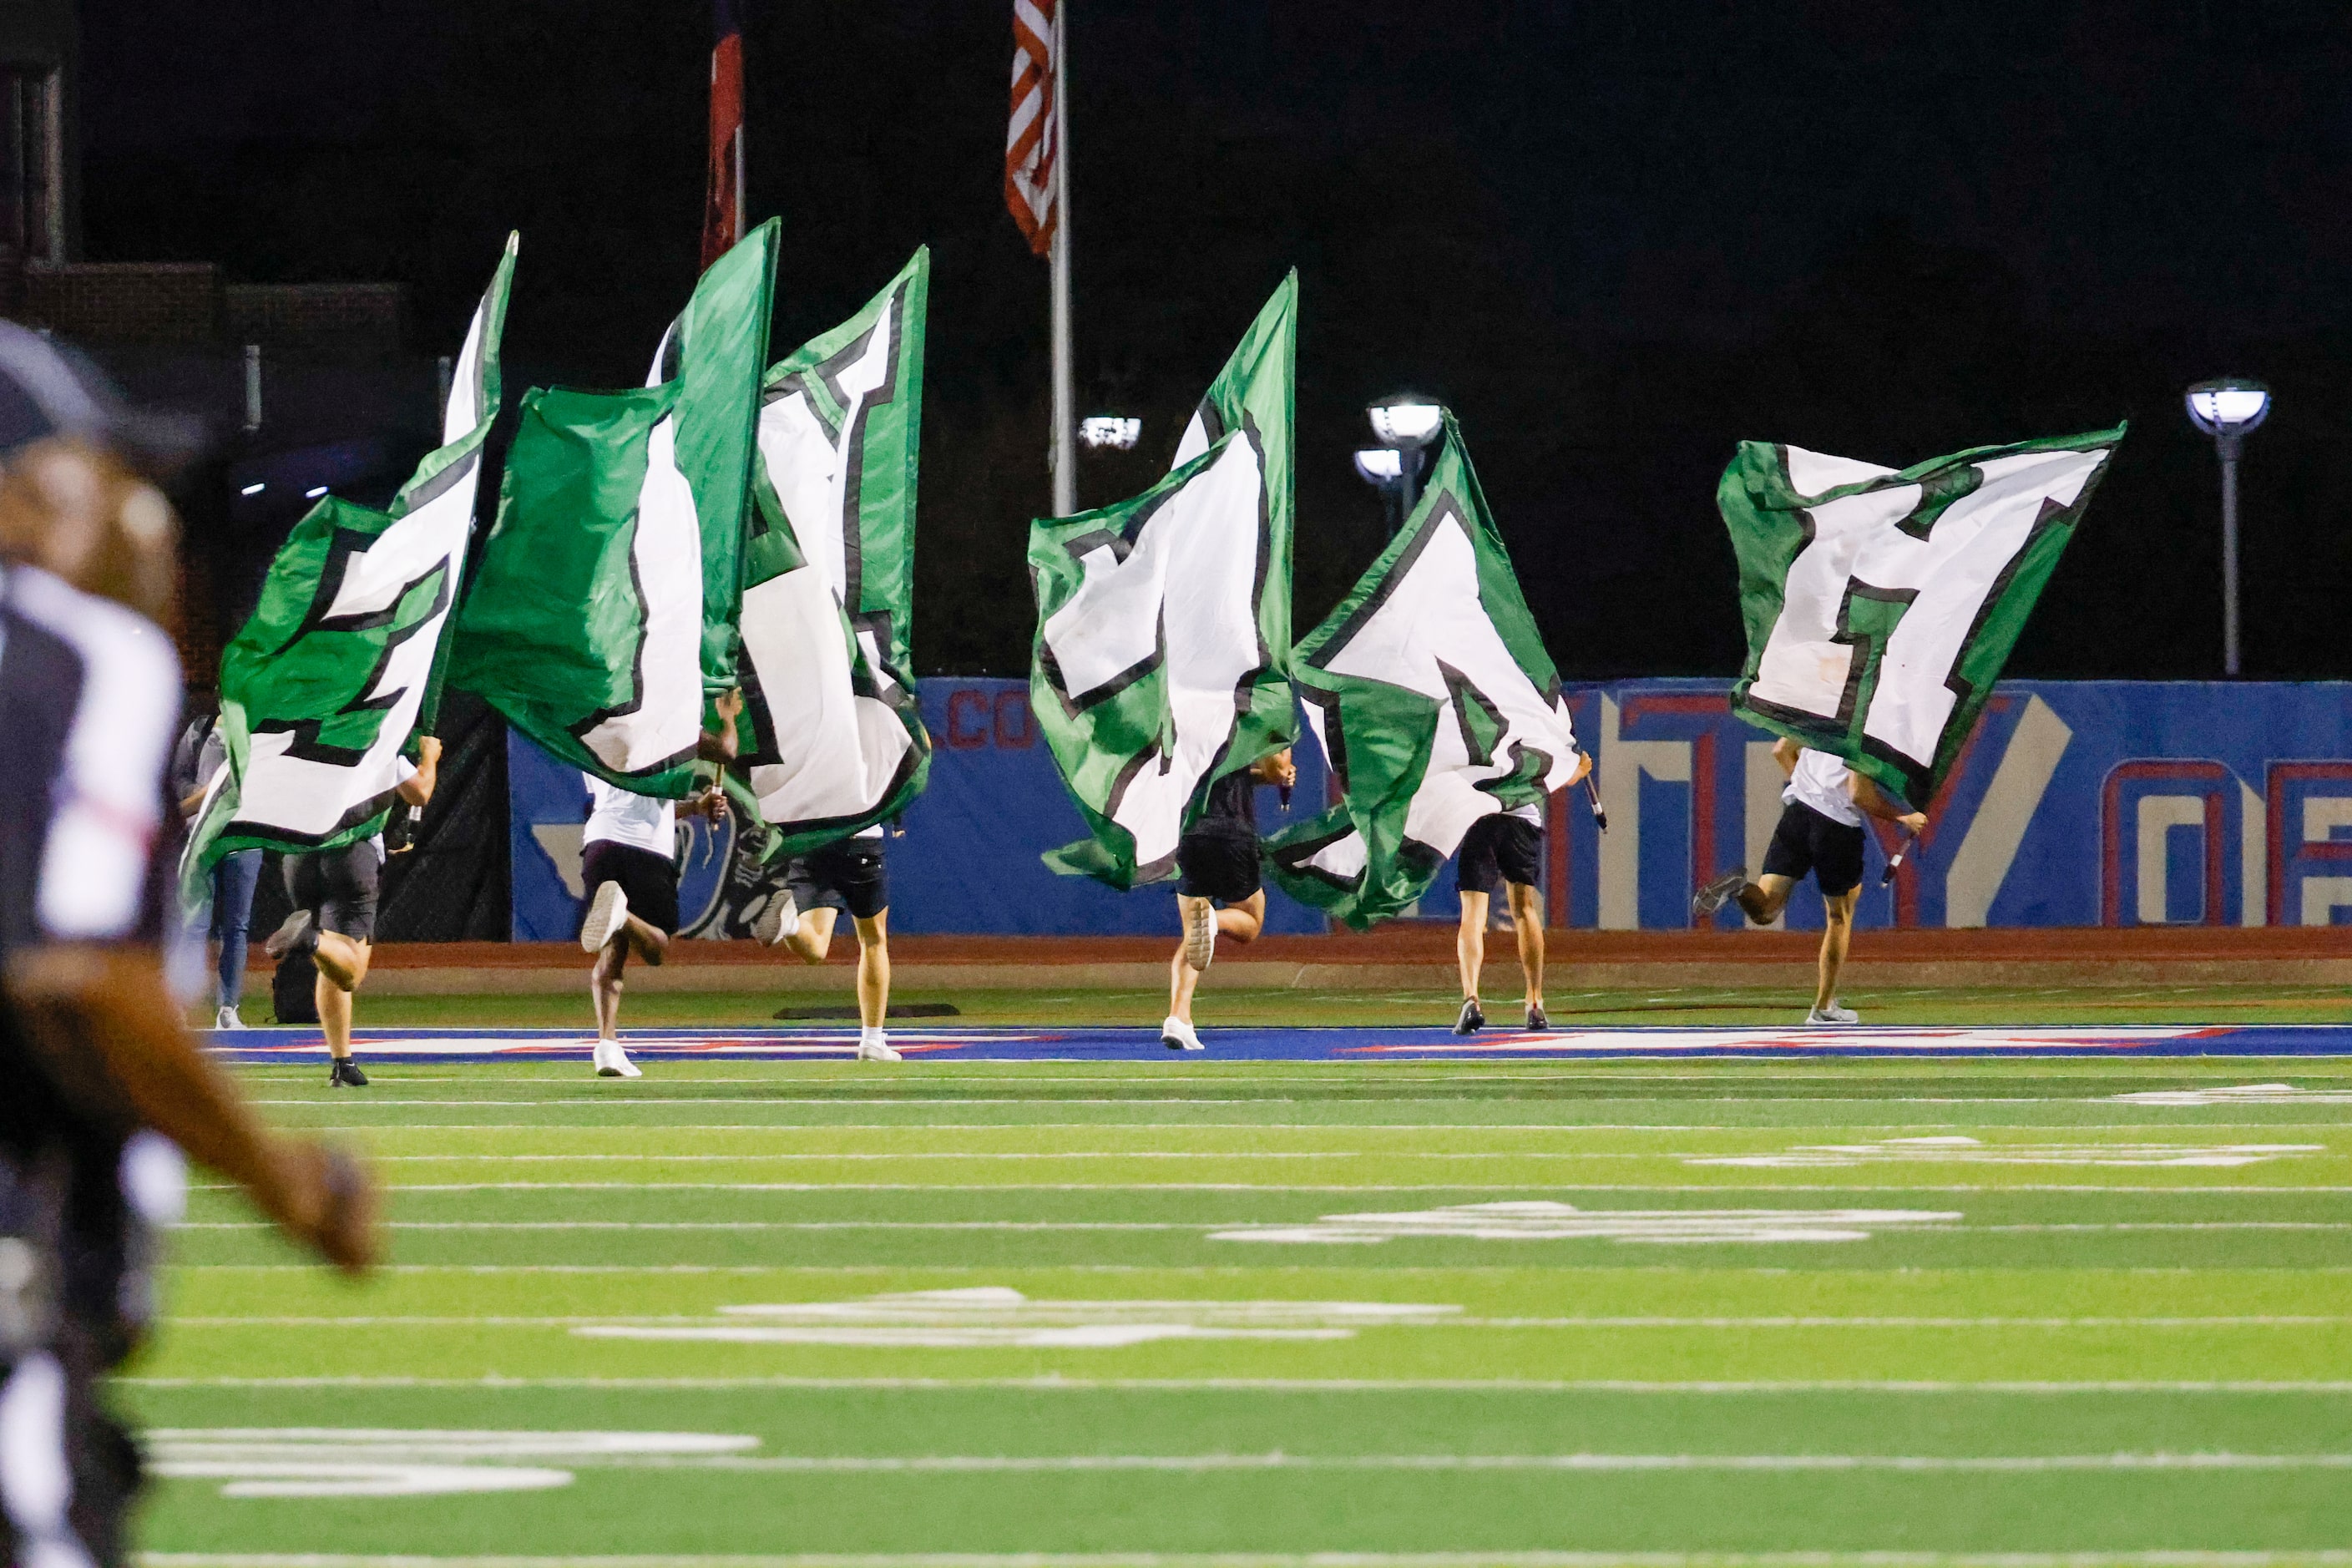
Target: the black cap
(47, 388)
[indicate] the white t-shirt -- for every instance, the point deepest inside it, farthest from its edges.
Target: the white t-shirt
(1820, 782)
(1528, 813)
(618, 815)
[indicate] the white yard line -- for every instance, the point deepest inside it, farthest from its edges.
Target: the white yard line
(1043, 1224)
(2234, 1321)
(2317, 1559)
(2023, 1464)
(2175, 1190)
(1292, 1384)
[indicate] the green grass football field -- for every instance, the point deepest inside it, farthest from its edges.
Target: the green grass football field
(978, 1316)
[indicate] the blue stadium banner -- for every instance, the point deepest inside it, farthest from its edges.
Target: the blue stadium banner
(2074, 804)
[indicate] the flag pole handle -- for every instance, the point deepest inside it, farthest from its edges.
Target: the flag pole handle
(1592, 793)
(1895, 862)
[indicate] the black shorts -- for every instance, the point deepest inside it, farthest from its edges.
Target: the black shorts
(649, 882)
(338, 887)
(1808, 841)
(1220, 865)
(851, 874)
(1500, 848)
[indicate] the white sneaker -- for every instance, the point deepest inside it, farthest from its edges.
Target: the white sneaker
(226, 1018)
(873, 1046)
(1200, 917)
(1835, 1013)
(1178, 1036)
(612, 1059)
(607, 912)
(779, 921)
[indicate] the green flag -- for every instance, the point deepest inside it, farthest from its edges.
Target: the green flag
(322, 688)
(837, 740)
(1163, 623)
(1432, 694)
(1880, 606)
(606, 604)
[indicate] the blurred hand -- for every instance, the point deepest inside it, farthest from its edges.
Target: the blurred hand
(1915, 821)
(429, 749)
(729, 703)
(710, 804)
(1279, 769)
(332, 1207)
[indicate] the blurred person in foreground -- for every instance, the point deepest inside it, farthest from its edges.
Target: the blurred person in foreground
(99, 1079)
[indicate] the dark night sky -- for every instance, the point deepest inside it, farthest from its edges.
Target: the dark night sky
(1616, 238)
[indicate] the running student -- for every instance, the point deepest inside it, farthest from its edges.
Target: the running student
(1219, 892)
(850, 875)
(1506, 848)
(228, 909)
(1820, 832)
(334, 896)
(628, 861)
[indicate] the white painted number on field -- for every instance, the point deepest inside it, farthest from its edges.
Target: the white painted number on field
(337, 1461)
(1970, 1151)
(990, 1317)
(1545, 1221)
(2241, 1094)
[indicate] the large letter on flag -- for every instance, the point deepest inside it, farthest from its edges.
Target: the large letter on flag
(341, 662)
(1880, 606)
(1432, 694)
(1163, 622)
(605, 605)
(837, 740)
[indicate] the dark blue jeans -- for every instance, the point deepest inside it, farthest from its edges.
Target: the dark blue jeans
(229, 912)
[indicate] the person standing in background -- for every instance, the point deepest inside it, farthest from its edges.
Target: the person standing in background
(228, 912)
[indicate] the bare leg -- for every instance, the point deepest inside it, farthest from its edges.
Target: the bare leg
(1235, 922)
(1243, 921)
(604, 985)
(1470, 943)
(872, 968)
(1837, 935)
(343, 963)
(1181, 978)
(650, 942)
(814, 938)
(1527, 926)
(1763, 899)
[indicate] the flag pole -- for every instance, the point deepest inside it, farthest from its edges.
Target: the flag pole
(1063, 458)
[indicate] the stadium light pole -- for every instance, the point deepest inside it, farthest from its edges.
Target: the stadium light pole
(1383, 467)
(2226, 409)
(1405, 424)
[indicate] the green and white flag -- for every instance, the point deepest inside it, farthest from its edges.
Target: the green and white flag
(604, 609)
(1432, 695)
(1881, 605)
(836, 739)
(1163, 623)
(341, 662)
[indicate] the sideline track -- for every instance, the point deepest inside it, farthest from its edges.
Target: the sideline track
(983, 1043)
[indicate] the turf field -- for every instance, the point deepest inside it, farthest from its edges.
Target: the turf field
(988, 1314)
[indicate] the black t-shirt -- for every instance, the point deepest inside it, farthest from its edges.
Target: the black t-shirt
(1231, 805)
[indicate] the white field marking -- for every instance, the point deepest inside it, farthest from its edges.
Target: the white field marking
(1545, 1221)
(1229, 1230)
(1060, 1384)
(906, 1156)
(2240, 1094)
(993, 1316)
(1928, 1462)
(2232, 1321)
(2322, 1558)
(333, 1461)
(1954, 1150)
(2240, 1190)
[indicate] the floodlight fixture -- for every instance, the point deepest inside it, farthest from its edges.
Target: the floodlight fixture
(1380, 465)
(1111, 430)
(1406, 420)
(2226, 409)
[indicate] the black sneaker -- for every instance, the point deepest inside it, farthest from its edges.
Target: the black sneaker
(1537, 1021)
(344, 1073)
(1471, 1019)
(1718, 893)
(298, 934)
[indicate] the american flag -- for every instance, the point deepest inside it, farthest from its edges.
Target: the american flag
(722, 206)
(1031, 144)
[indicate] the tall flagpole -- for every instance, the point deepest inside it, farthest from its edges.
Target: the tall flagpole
(1063, 458)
